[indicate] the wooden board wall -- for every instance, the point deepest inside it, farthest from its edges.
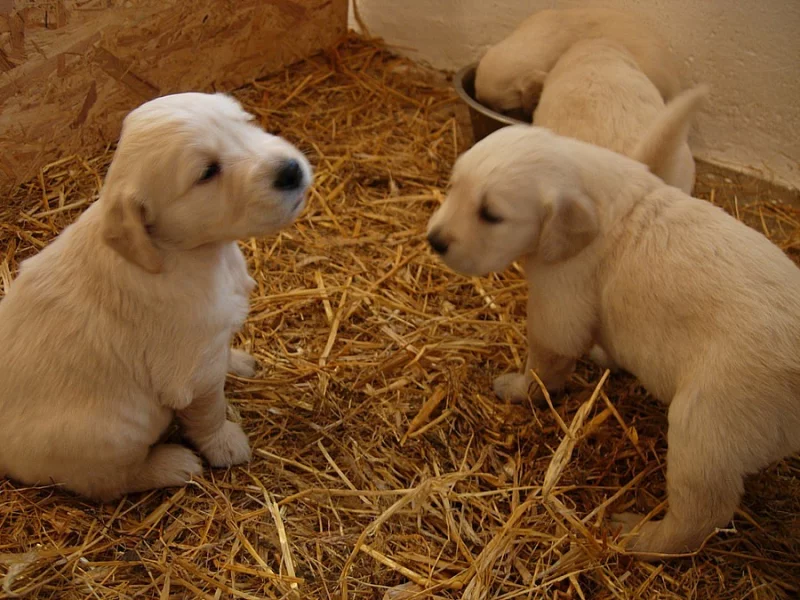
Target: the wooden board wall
(71, 69)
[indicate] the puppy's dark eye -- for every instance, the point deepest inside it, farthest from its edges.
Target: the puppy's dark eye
(212, 170)
(487, 217)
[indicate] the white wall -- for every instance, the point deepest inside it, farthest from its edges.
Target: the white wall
(748, 50)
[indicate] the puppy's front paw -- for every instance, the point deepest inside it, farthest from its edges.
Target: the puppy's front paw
(644, 540)
(625, 522)
(229, 446)
(512, 387)
(241, 363)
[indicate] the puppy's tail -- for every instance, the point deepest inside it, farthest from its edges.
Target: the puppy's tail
(670, 130)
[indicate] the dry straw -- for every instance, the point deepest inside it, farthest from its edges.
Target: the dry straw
(383, 466)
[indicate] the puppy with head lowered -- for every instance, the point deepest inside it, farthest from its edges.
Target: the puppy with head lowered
(702, 309)
(126, 319)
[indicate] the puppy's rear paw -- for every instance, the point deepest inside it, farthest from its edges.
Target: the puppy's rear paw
(167, 465)
(512, 387)
(229, 446)
(242, 364)
(599, 357)
(181, 463)
(176, 397)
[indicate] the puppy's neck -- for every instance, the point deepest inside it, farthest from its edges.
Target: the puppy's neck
(615, 183)
(203, 257)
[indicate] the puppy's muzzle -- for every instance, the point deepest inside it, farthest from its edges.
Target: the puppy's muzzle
(438, 242)
(290, 176)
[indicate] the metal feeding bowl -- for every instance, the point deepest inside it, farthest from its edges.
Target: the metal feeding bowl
(484, 120)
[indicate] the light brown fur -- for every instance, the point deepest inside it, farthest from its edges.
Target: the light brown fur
(126, 319)
(597, 93)
(704, 310)
(511, 73)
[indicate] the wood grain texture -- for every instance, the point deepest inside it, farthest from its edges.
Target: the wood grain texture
(71, 69)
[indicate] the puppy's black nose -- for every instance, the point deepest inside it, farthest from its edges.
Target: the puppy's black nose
(438, 243)
(289, 177)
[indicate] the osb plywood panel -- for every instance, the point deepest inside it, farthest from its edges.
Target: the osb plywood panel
(71, 69)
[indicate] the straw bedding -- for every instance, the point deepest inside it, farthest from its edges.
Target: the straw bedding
(383, 466)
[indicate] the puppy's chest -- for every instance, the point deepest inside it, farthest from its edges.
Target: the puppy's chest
(230, 289)
(224, 313)
(230, 302)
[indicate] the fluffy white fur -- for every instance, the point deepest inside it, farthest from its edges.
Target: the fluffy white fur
(597, 93)
(511, 73)
(704, 310)
(126, 319)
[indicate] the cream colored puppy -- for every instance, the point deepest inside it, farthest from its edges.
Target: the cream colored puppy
(597, 93)
(126, 319)
(511, 73)
(704, 310)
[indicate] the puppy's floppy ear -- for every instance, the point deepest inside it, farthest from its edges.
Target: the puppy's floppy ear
(125, 230)
(570, 224)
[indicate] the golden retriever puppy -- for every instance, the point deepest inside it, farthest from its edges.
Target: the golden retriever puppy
(704, 310)
(511, 73)
(126, 319)
(597, 93)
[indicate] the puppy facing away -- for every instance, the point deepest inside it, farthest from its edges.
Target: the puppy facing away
(511, 73)
(126, 319)
(597, 93)
(704, 310)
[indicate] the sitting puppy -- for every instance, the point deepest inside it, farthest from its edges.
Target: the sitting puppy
(126, 318)
(597, 93)
(704, 310)
(510, 75)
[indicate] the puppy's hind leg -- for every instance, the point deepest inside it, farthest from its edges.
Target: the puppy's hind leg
(166, 465)
(241, 364)
(705, 479)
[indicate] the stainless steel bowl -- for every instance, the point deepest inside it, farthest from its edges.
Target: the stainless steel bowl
(484, 120)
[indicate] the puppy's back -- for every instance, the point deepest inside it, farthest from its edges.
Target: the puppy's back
(597, 94)
(691, 294)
